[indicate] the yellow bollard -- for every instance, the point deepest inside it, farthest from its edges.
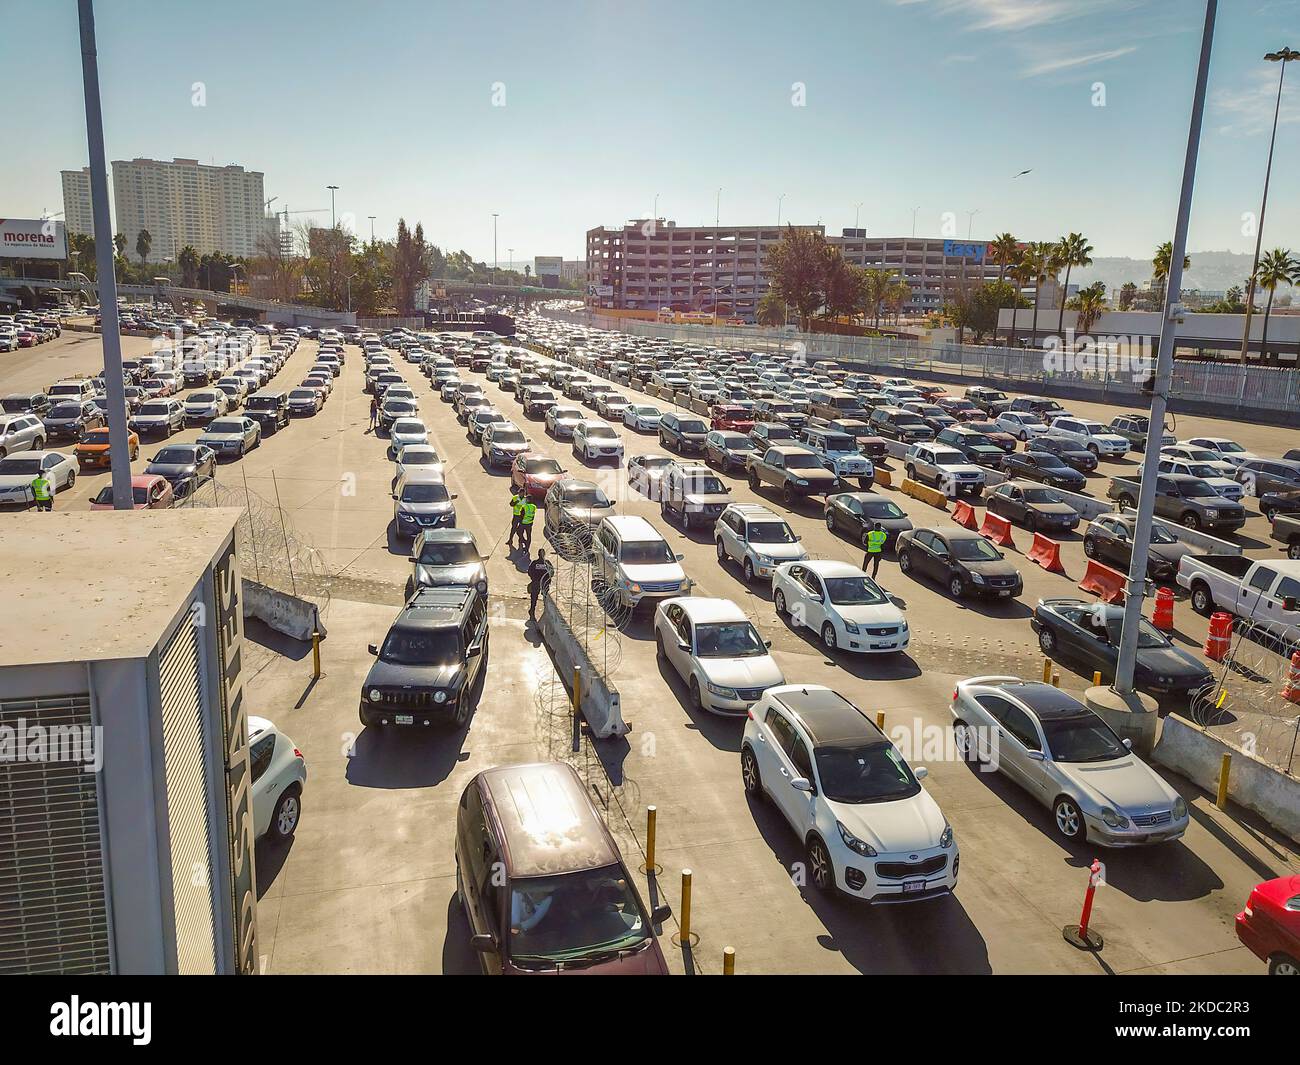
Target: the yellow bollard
(1096, 678)
(728, 961)
(315, 654)
(1056, 679)
(1047, 670)
(1221, 801)
(880, 720)
(685, 921)
(650, 814)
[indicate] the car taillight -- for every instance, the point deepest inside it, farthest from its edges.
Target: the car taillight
(954, 695)
(297, 753)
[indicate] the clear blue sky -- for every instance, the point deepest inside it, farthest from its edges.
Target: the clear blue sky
(929, 103)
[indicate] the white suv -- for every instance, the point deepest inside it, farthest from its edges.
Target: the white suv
(870, 829)
(841, 603)
(279, 771)
(1096, 437)
(757, 539)
(593, 440)
(717, 651)
(636, 563)
(946, 468)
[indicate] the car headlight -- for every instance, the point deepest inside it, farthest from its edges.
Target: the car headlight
(1180, 808)
(977, 578)
(685, 586)
(801, 482)
(632, 586)
(1211, 513)
(1113, 818)
(849, 627)
(439, 697)
(945, 840)
(721, 691)
(854, 844)
(374, 695)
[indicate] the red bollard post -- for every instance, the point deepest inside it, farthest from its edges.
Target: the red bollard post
(1080, 935)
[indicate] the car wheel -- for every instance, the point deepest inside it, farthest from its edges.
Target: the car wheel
(750, 775)
(1069, 821)
(1047, 641)
(1283, 965)
(1271, 514)
(1202, 600)
(911, 472)
(753, 481)
(1191, 521)
(787, 495)
(722, 552)
(1090, 547)
(820, 871)
(1096, 452)
(957, 587)
(778, 601)
(749, 572)
(686, 520)
(72, 478)
(1125, 501)
(905, 562)
(828, 637)
(830, 520)
(1031, 521)
(288, 811)
(963, 739)
(1293, 550)
(697, 702)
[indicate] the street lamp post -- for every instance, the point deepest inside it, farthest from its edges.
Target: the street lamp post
(914, 210)
(333, 189)
(114, 385)
(372, 228)
(857, 211)
(1282, 56)
(779, 200)
(1121, 701)
(717, 224)
(494, 248)
(970, 221)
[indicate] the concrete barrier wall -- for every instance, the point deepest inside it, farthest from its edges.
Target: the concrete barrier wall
(283, 612)
(1200, 540)
(600, 700)
(1196, 754)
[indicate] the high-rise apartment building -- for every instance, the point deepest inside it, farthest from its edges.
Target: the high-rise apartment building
(212, 208)
(76, 202)
(647, 265)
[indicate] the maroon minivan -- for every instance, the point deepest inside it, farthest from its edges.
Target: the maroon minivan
(544, 887)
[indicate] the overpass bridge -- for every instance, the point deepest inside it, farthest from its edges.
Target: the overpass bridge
(29, 289)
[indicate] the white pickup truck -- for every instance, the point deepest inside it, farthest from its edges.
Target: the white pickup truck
(1264, 592)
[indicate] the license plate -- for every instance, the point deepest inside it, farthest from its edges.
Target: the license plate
(909, 886)
(404, 719)
(1005, 592)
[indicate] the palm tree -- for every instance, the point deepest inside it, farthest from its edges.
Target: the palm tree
(143, 245)
(1074, 251)
(188, 260)
(1022, 273)
(875, 288)
(1160, 264)
(1276, 267)
(1090, 303)
(1042, 260)
(771, 310)
(1005, 251)
(897, 295)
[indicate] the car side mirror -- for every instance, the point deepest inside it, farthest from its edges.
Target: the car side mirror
(802, 784)
(373, 649)
(920, 772)
(679, 557)
(660, 913)
(767, 644)
(1128, 743)
(1037, 756)
(483, 943)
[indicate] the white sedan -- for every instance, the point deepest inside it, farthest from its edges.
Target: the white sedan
(1021, 425)
(842, 604)
(717, 651)
(18, 471)
(279, 771)
(642, 417)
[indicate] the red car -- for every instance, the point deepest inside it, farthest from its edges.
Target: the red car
(934, 393)
(731, 416)
(149, 491)
(1003, 439)
(27, 339)
(961, 409)
(1270, 924)
(534, 474)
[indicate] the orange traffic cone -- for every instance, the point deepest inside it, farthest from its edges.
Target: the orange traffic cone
(1291, 689)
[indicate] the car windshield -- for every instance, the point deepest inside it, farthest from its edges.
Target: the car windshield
(425, 493)
(574, 918)
(1046, 460)
(203, 397)
(840, 442)
(1231, 448)
(585, 497)
(647, 411)
(854, 591)
(874, 773)
(421, 647)
(1199, 489)
(881, 508)
(448, 553)
(1081, 738)
(66, 410)
(706, 484)
(974, 549)
(1148, 635)
(511, 437)
(1161, 535)
(261, 403)
(770, 532)
(728, 639)
(298, 393)
(806, 461)
(16, 406)
(22, 468)
(220, 426)
(174, 456)
(541, 466)
(1041, 495)
(155, 408)
(646, 553)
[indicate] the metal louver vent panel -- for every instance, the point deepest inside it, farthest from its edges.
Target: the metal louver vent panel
(53, 913)
(181, 698)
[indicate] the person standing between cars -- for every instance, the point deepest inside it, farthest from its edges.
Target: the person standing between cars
(539, 574)
(875, 545)
(526, 525)
(374, 412)
(517, 501)
(43, 491)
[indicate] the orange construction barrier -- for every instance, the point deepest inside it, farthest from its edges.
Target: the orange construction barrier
(964, 514)
(1046, 553)
(1105, 583)
(997, 529)
(1162, 617)
(1291, 689)
(1219, 638)
(883, 478)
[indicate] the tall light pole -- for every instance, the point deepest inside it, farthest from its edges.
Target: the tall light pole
(494, 248)
(914, 210)
(510, 259)
(1128, 700)
(114, 386)
(717, 224)
(970, 221)
(856, 213)
(1282, 57)
(654, 215)
(779, 199)
(348, 278)
(333, 189)
(372, 228)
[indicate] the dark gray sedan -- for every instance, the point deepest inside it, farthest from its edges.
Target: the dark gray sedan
(178, 462)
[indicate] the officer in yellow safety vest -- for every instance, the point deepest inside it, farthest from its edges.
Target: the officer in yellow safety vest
(526, 525)
(43, 492)
(517, 501)
(875, 545)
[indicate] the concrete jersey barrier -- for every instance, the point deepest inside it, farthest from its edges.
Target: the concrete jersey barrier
(600, 701)
(284, 612)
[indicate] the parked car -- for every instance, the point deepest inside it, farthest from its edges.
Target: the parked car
(960, 559)
(857, 513)
(1021, 424)
(21, 432)
(1066, 449)
(562, 421)
(149, 491)
(794, 470)
(842, 604)
(870, 829)
(1091, 435)
(1266, 591)
(72, 419)
(1135, 428)
(180, 462)
(534, 856)
(534, 474)
(1109, 539)
(232, 437)
(945, 468)
(1034, 506)
(692, 494)
(1260, 477)
(756, 539)
(1189, 501)
(990, 400)
(17, 472)
(421, 501)
(642, 417)
(1068, 759)
(445, 557)
(1045, 467)
(645, 474)
(279, 772)
(158, 417)
(268, 408)
(575, 507)
(1269, 924)
(1228, 450)
(726, 450)
(682, 433)
(717, 652)
(634, 562)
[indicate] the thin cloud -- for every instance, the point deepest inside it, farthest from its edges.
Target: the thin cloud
(1247, 109)
(1070, 62)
